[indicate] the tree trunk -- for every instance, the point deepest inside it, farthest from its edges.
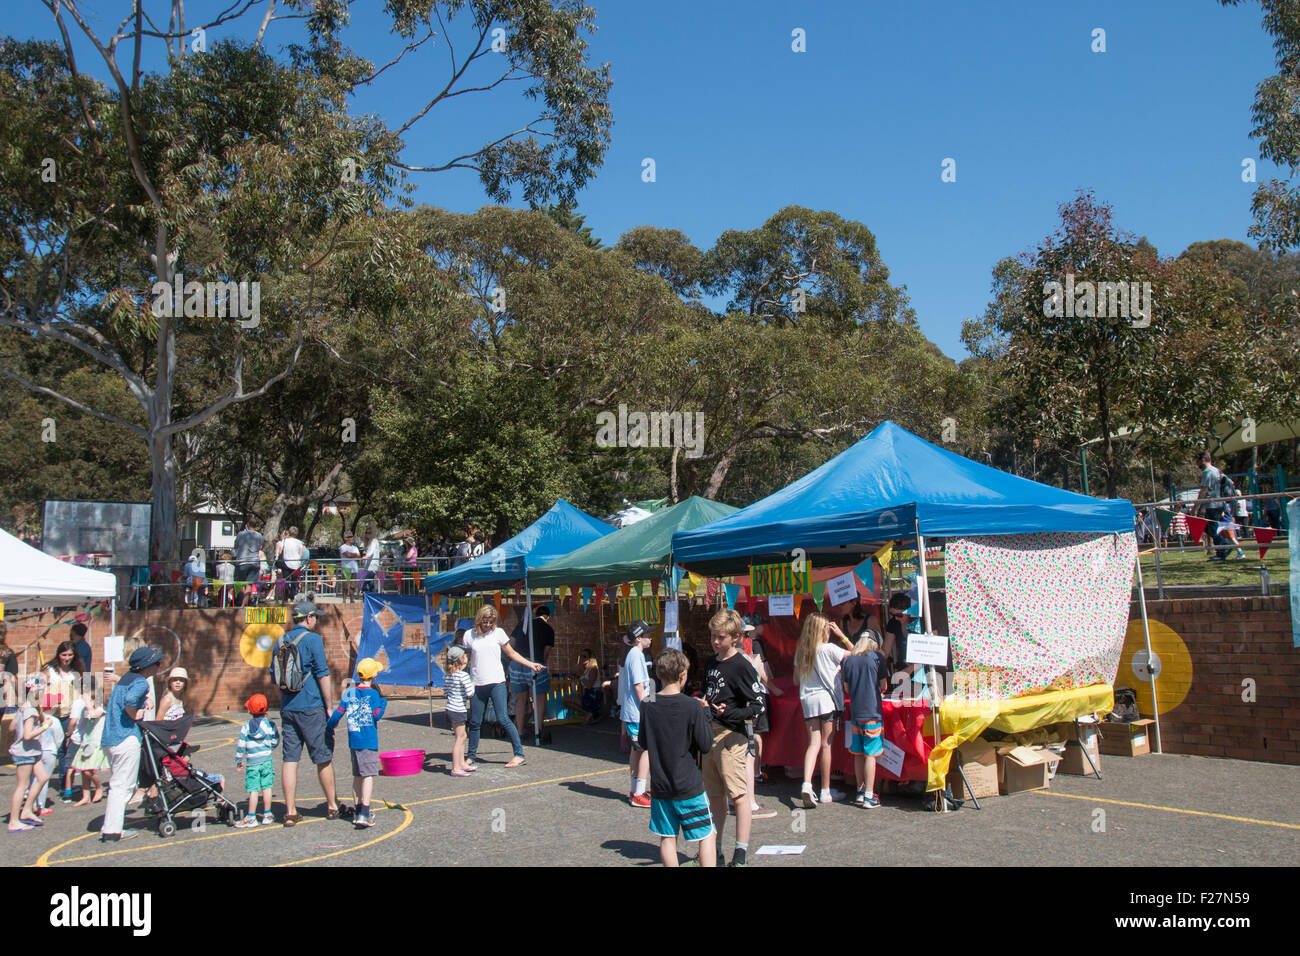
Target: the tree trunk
(719, 473)
(275, 515)
(163, 531)
(672, 477)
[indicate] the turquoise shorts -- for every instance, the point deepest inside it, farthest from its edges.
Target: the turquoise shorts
(690, 815)
(259, 776)
(866, 737)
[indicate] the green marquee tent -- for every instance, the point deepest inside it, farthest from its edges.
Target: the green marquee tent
(638, 552)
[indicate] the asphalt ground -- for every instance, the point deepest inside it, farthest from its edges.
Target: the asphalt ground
(567, 806)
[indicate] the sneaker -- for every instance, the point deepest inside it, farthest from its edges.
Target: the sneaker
(871, 802)
(247, 823)
(809, 797)
(832, 796)
(739, 858)
(65, 796)
(760, 812)
(1241, 555)
(268, 818)
(118, 837)
(363, 820)
(641, 800)
(860, 800)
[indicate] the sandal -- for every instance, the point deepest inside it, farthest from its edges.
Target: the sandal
(471, 768)
(31, 822)
(292, 819)
(21, 829)
(515, 762)
(331, 814)
(460, 773)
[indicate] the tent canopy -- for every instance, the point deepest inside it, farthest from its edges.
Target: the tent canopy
(556, 533)
(32, 578)
(882, 488)
(635, 553)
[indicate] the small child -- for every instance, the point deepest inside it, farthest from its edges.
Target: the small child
(633, 688)
(51, 743)
(258, 738)
(592, 697)
(459, 689)
(861, 674)
(29, 722)
(675, 732)
(90, 758)
(364, 706)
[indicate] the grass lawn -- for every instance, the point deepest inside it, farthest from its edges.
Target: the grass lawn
(1192, 567)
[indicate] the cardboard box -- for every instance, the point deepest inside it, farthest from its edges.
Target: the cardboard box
(1074, 760)
(979, 761)
(1024, 768)
(1127, 740)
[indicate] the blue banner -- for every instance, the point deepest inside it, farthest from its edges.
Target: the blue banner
(407, 666)
(1293, 534)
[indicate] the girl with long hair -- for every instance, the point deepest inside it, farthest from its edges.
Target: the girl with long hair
(817, 668)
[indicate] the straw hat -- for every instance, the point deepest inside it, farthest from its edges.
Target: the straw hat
(178, 673)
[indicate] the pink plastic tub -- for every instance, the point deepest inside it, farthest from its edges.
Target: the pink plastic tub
(401, 763)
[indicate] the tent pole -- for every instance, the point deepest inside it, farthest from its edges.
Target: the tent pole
(1146, 631)
(928, 620)
(428, 656)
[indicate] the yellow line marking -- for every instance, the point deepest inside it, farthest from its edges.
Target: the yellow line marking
(360, 846)
(1152, 806)
(516, 786)
(162, 846)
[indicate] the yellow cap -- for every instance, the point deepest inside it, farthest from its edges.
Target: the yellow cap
(368, 667)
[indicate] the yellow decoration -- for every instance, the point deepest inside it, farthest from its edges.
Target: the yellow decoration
(1174, 678)
(256, 642)
(884, 555)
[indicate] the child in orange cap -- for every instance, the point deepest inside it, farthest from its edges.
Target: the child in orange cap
(258, 738)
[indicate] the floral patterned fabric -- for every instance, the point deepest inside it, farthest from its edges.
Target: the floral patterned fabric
(1027, 612)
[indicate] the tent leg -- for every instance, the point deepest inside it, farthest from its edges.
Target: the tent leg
(923, 591)
(532, 681)
(1146, 631)
(428, 656)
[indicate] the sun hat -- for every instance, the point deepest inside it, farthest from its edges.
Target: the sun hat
(178, 673)
(143, 658)
(368, 667)
(256, 705)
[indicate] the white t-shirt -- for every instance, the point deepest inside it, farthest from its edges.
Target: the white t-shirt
(485, 656)
(825, 676)
(372, 555)
(347, 551)
(226, 572)
(292, 553)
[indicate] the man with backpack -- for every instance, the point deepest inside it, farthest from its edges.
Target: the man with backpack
(299, 670)
(1212, 487)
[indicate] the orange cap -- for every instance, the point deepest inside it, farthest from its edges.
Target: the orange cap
(256, 705)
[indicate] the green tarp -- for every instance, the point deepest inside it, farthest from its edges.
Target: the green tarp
(638, 552)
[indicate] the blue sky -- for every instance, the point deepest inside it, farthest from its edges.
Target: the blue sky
(740, 126)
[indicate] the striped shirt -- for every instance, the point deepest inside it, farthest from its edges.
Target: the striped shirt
(458, 688)
(258, 739)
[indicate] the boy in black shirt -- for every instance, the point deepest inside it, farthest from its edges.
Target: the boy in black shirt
(675, 732)
(733, 695)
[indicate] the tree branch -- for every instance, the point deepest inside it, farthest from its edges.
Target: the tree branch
(42, 390)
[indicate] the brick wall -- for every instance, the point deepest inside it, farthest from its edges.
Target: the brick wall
(1230, 640)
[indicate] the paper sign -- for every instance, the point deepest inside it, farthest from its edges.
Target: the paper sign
(670, 616)
(775, 850)
(843, 589)
(674, 642)
(113, 648)
(927, 649)
(891, 759)
(780, 604)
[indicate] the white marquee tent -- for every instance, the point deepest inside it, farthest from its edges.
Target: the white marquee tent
(32, 578)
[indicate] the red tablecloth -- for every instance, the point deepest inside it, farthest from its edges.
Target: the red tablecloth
(908, 726)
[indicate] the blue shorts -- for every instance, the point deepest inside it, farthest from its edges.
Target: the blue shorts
(25, 759)
(633, 732)
(519, 677)
(691, 816)
(866, 737)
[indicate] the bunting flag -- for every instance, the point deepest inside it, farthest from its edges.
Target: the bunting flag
(884, 555)
(639, 587)
(1165, 519)
(798, 607)
(695, 580)
(1195, 527)
(518, 594)
(819, 593)
(781, 578)
(573, 596)
(867, 575)
(1264, 537)
(499, 602)
(586, 598)
(637, 609)
(730, 592)
(654, 587)
(678, 574)
(751, 604)
(711, 589)
(599, 595)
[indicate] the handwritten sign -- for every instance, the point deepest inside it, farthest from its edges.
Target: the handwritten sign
(843, 589)
(766, 579)
(266, 615)
(638, 609)
(114, 648)
(780, 604)
(670, 616)
(891, 759)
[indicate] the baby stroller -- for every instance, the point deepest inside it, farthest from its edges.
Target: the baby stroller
(182, 787)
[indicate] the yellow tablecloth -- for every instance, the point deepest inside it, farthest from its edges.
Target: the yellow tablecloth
(962, 719)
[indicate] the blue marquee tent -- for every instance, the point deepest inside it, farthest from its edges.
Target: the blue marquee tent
(890, 485)
(562, 529)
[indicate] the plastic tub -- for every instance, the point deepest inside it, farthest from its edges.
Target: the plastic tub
(401, 763)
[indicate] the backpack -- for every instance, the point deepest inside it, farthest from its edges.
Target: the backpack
(1226, 488)
(286, 666)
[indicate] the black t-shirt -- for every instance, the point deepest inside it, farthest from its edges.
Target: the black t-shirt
(734, 682)
(675, 731)
(862, 683)
(543, 637)
(895, 627)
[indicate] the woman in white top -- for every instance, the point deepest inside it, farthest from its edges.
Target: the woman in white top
(485, 643)
(371, 558)
(817, 668)
(348, 554)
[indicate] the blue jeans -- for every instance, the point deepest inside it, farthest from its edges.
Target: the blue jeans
(497, 693)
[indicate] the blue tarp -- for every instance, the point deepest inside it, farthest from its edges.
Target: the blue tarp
(880, 489)
(407, 666)
(562, 529)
